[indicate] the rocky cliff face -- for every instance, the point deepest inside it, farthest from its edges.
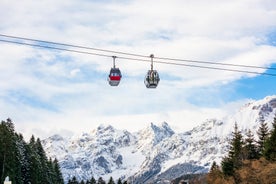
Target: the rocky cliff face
(156, 153)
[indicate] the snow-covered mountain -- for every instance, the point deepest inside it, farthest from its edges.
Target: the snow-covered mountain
(155, 154)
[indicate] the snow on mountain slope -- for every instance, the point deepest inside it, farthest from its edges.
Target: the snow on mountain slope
(155, 153)
(98, 153)
(152, 135)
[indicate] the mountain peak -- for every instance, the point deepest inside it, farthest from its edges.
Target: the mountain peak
(267, 101)
(153, 134)
(56, 137)
(269, 98)
(162, 128)
(103, 129)
(155, 151)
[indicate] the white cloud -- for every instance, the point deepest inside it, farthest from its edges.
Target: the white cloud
(68, 87)
(83, 121)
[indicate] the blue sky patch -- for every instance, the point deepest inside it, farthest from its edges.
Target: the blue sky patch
(27, 98)
(272, 38)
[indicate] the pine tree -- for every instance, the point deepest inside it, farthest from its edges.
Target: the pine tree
(234, 158)
(236, 144)
(8, 150)
(263, 133)
(73, 181)
(22, 162)
(101, 181)
(44, 172)
(227, 166)
(35, 165)
(119, 181)
(111, 181)
(92, 180)
(213, 173)
(214, 168)
(270, 145)
(57, 172)
(250, 149)
(51, 172)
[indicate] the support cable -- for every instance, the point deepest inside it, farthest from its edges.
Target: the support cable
(143, 60)
(136, 55)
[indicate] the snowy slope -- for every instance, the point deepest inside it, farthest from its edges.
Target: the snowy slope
(155, 153)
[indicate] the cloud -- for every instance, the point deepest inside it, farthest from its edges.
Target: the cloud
(47, 86)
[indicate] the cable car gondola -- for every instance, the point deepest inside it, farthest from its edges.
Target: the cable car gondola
(115, 75)
(152, 77)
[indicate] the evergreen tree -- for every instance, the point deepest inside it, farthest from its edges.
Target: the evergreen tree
(213, 173)
(125, 182)
(58, 175)
(35, 165)
(8, 150)
(227, 166)
(73, 181)
(23, 162)
(18, 158)
(263, 133)
(92, 180)
(51, 172)
(82, 182)
(236, 144)
(270, 145)
(214, 168)
(44, 172)
(250, 149)
(119, 181)
(234, 158)
(111, 181)
(101, 181)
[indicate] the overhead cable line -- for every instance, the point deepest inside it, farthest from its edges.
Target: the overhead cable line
(216, 63)
(75, 46)
(197, 66)
(130, 58)
(136, 55)
(54, 48)
(215, 68)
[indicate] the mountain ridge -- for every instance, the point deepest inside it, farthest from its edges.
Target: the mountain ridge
(153, 153)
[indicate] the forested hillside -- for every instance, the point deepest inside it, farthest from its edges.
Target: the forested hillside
(25, 162)
(249, 160)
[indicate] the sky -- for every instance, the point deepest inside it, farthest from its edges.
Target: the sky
(46, 91)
